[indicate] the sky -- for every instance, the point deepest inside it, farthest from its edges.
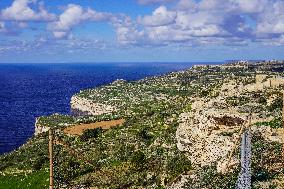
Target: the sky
(50, 31)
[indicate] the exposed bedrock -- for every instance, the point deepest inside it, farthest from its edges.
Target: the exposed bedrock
(84, 106)
(207, 133)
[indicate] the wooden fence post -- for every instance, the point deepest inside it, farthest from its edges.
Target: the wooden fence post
(50, 146)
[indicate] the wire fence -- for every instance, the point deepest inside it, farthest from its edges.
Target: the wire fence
(57, 146)
(58, 149)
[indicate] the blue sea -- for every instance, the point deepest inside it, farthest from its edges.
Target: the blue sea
(31, 90)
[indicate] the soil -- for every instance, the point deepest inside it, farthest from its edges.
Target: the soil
(79, 129)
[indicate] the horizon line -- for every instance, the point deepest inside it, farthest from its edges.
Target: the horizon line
(129, 62)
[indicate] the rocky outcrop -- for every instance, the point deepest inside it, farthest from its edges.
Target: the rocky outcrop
(207, 133)
(202, 139)
(84, 106)
(39, 128)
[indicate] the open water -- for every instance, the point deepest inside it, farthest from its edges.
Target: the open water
(31, 90)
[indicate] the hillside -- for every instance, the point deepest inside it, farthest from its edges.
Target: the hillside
(171, 131)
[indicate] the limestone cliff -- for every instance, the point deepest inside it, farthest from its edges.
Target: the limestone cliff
(39, 128)
(208, 132)
(84, 106)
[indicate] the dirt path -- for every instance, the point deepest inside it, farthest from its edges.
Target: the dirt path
(79, 129)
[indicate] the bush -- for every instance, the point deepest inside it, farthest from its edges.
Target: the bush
(276, 105)
(91, 133)
(207, 177)
(39, 162)
(261, 175)
(138, 158)
(262, 100)
(143, 134)
(178, 165)
(264, 155)
(188, 108)
(237, 101)
(204, 93)
(275, 123)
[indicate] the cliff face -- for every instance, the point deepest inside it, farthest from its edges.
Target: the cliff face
(207, 133)
(39, 128)
(179, 130)
(84, 106)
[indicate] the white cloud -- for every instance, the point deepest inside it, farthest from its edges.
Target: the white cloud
(147, 2)
(272, 41)
(20, 10)
(160, 17)
(198, 20)
(73, 16)
(216, 5)
(22, 24)
(186, 5)
(44, 45)
(60, 34)
(164, 34)
(272, 20)
(182, 24)
(190, 22)
(126, 31)
(2, 27)
(230, 22)
(252, 6)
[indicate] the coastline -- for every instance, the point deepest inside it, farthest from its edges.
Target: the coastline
(173, 123)
(49, 88)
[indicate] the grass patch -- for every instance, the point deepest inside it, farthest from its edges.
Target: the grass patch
(275, 123)
(35, 180)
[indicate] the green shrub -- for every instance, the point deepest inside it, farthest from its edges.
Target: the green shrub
(275, 123)
(264, 154)
(138, 158)
(204, 93)
(237, 101)
(209, 178)
(262, 100)
(39, 162)
(261, 174)
(230, 134)
(144, 134)
(91, 133)
(276, 105)
(188, 108)
(178, 165)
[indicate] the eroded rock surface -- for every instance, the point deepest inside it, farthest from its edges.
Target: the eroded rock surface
(209, 131)
(84, 106)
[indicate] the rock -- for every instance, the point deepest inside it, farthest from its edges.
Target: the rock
(207, 134)
(119, 82)
(84, 106)
(39, 128)
(201, 139)
(223, 165)
(269, 134)
(180, 183)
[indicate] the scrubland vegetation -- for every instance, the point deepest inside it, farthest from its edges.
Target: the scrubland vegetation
(142, 153)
